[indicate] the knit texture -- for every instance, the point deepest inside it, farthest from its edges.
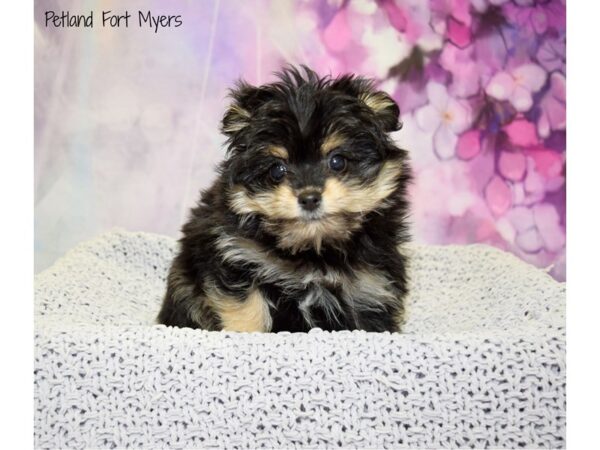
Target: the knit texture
(480, 361)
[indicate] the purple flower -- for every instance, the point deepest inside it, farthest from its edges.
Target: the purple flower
(551, 54)
(465, 74)
(445, 117)
(553, 106)
(517, 85)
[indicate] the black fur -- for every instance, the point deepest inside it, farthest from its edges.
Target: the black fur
(352, 278)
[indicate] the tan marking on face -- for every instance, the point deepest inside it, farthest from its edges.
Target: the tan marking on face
(341, 197)
(250, 315)
(283, 218)
(297, 236)
(279, 203)
(278, 152)
(377, 101)
(331, 142)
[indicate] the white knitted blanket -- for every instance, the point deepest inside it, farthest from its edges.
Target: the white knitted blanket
(480, 362)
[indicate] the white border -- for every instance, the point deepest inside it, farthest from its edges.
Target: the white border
(583, 230)
(16, 205)
(583, 224)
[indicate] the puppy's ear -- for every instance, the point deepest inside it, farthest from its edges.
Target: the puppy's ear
(385, 108)
(245, 100)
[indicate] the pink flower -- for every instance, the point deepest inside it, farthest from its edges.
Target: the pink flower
(529, 241)
(548, 163)
(547, 221)
(521, 218)
(543, 174)
(397, 17)
(410, 95)
(537, 228)
(539, 17)
(337, 36)
(553, 106)
(521, 133)
(458, 33)
(498, 196)
(517, 85)
(465, 71)
(512, 165)
(458, 9)
(491, 54)
(445, 117)
(469, 144)
(412, 19)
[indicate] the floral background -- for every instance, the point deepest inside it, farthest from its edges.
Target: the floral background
(126, 119)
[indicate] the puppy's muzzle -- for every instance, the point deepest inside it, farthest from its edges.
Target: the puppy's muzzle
(310, 200)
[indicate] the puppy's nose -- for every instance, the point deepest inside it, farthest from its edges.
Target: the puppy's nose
(309, 200)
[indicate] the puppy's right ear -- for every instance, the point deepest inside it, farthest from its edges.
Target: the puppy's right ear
(245, 101)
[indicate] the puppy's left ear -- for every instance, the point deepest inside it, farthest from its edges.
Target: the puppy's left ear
(245, 100)
(384, 107)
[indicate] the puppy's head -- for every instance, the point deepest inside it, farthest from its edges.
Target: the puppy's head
(310, 156)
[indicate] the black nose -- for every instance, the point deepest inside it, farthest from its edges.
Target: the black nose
(309, 200)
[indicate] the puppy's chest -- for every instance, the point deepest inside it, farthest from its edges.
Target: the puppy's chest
(328, 299)
(302, 294)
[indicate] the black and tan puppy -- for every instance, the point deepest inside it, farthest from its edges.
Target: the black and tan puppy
(304, 226)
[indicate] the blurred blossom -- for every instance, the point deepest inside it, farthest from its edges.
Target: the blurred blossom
(469, 144)
(462, 65)
(553, 106)
(521, 132)
(480, 85)
(512, 165)
(367, 7)
(547, 222)
(446, 117)
(498, 196)
(338, 35)
(517, 85)
(385, 48)
(551, 54)
(537, 16)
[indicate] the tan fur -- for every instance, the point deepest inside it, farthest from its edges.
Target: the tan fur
(280, 203)
(298, 236)
(278, 152)
(331, 142)
(271, 268)
(240, 121)
(340, 197)
(365, 288)
(251, 315)
(372, 284)
(280, 207)
(377, 101)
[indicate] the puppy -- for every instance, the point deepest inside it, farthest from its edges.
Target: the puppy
(305, 224)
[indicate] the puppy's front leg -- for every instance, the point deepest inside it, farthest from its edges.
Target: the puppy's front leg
(250, 314)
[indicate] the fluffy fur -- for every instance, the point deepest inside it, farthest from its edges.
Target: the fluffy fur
(305, 224)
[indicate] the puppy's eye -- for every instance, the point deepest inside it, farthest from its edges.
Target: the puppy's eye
(278, 171)
(337, 163)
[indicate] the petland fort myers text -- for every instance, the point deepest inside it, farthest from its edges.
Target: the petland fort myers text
(111, 19)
